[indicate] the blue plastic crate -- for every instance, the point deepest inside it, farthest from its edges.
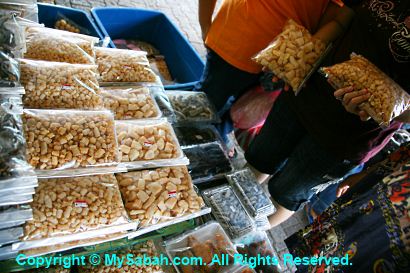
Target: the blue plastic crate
(154, 27)
(48, 15)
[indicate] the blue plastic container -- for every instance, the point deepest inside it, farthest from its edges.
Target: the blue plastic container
(48, 15)
(154, 27)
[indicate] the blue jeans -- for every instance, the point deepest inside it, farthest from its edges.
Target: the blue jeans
(285, 149)
(223, 83)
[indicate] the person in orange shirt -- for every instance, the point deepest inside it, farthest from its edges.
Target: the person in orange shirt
(242, 28)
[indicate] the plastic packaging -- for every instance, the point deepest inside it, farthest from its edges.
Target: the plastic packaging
(121, 65)
(252, 108)
(11, 216)
(387, 101)
(60, 247)
(158, 195)
(6, 253)
(163, 102)
(65, 206)
(130, 102)
(9, 71)
(262, 223)
(10, 235)
(145, 250)
(12, 39)
(62, 140)
(250, 192)
(207, 242)
(148, 143)
(292, 55)
(51, 85)
(52, 45)
(16, 199)
(12, 143)
(18, 183)
(256, 245)
(192, 107)
(160, 67)
(228, 210)
(10, 193)
(25, 8)
(195, 135)
(207, 161)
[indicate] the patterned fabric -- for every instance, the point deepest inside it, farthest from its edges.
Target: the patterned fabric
(370, 223)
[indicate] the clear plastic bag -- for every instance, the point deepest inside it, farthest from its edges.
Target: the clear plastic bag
(16, 199)
(163, 102)
(56, 85)
(18, 184)
(12, 39)
(24, 8)
(52, 45)
(7, 252)
(130, 102)
(66, 206)
(122, 65)
(148, 143)
(387, 101)
(10, 235)
(228, 210)
(250, 192)
(158, 195)
(13, 163)
(62, 140)
(9, 71)
(207, 242)
(293, 55)
(257, 245)
(207, 161)
(194, 135)
(192, 107)
(15, 215)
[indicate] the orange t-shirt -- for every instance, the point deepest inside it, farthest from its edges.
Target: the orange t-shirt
(242, 28)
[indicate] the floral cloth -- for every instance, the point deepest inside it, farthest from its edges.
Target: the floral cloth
(370, 223)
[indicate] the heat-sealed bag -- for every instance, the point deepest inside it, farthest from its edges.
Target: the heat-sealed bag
(65, 206)
(13, 165)
(192, 107)
(70, 142)
(56, 85)
(16, 199)
(228, 210)
(158, 195)
(208, 241)
(12, 38)
(148, 143)
(194, 135)
(52, 45)
(387, 101)
(293, 55)
(18, 184)
(163, 102)
(130, 102)
(26, 9)
(10, 235)
(207, 161)
(122, 65)
(9, 71)
(256, 245)
(14, 215)
(250, 192)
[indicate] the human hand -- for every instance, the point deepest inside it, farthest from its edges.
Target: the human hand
(349, 182)
(351, 100)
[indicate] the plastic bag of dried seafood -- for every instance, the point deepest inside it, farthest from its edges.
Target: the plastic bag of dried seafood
(293, 56)
(387, 101)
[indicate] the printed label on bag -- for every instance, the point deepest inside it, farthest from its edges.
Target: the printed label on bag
(148, 144)
(127, 67)
(80, 204)
(172, 194)
(66, 87)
